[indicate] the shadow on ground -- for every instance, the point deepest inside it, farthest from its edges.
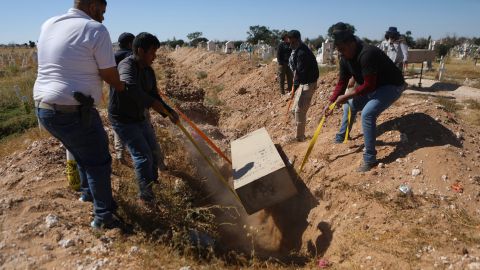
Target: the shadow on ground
(421, 131)
(436, 87)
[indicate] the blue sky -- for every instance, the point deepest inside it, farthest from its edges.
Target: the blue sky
(20, 20)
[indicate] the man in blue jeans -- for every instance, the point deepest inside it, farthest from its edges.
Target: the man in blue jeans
(380, 84)
(74, 56)
(126, 112)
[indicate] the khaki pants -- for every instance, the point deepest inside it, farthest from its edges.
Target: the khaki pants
(303, 98)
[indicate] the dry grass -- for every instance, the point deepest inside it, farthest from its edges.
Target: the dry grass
(14, 143)
(450, 105)
(457, 71)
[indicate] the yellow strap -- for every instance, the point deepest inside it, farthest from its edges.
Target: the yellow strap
(348, 125)
(210, 163)
(315, 137)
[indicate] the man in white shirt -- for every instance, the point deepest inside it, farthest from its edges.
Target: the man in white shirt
(75, 55)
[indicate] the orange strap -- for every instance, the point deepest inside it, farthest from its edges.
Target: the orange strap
(199, 132)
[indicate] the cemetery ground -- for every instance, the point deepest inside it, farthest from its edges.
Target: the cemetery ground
(340, 219)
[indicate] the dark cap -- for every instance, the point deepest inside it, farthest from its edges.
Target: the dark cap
(294, 34)
(392, 32)
(341, 33)
(125, 39)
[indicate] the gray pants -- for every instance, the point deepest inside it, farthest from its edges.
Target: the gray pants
(303, 98)
(284, 71)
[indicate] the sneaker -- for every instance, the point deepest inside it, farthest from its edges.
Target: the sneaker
(85, 198)
(113, 224)
(365, 167)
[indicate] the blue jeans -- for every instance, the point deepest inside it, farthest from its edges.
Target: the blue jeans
(371, 105)
(141, 142)
(89, 146)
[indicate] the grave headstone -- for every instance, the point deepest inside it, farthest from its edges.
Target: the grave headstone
(229, 47)
(211, 46)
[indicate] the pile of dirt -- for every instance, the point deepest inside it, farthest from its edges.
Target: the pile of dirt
(360, 218)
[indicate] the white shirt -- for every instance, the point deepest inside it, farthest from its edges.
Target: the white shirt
(397, 51)
(71, 49)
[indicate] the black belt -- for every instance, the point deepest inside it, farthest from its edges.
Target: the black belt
(56, 107)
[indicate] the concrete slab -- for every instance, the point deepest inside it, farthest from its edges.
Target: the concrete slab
(261, 178)
(441, 89)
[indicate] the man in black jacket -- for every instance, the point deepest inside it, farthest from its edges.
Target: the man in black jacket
(125, 41)
(305, 67)
(127, 111)
(283, 54)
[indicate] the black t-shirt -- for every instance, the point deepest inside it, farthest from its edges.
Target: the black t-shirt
(370, 60)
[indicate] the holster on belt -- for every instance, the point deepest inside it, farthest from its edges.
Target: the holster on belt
(86, 105)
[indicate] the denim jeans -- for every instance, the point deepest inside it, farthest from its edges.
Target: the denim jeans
(89, 146)
(141, 142)
(371, 105)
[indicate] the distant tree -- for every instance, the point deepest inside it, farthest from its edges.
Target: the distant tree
(237, 43)
(31, 44)
(195, 42)
(316, 42)
(373, 42)
(442, 49)
(173, 43)
(194, 35)
(422, 43)
(409, 39)
(257, 33)
(476, 41)
(349, 26)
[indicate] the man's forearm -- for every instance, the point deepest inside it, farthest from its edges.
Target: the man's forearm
(111, 76)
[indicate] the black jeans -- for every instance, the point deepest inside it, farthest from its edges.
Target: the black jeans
(284, 71)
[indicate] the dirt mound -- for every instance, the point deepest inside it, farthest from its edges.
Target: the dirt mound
(358, 219)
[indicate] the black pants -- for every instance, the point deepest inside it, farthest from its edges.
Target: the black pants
(284, 71)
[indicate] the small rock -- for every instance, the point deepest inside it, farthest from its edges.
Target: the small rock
(381, 165)
(474, 266)
(459, 135)
(185, 268)
(416, 172)
(444, 178)
(134, 250)
(368, 258)
(51, 220)
(66, 243)
(48, 247)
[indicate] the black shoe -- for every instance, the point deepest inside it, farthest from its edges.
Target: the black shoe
(365, 167)
(112, 224)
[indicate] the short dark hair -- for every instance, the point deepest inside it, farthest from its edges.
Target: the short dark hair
(294, 34)
(78, 3)
(125, 39)
(145, 41)
(342, 33)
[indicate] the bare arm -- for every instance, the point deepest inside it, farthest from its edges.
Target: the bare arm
(110, 76)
